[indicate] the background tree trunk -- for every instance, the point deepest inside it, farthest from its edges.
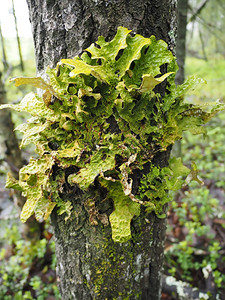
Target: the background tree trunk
(182, 9)
(89, 264)
(9, 144)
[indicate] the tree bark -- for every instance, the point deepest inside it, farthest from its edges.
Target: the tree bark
(63, 29)
(89, 264)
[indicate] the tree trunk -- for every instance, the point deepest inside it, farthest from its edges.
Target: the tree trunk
(89, 264)
(182, 8)
(9, 144)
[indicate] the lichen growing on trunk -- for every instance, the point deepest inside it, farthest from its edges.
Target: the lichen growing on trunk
(101, 120)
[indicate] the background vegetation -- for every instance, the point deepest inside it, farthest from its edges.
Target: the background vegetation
(195, 244)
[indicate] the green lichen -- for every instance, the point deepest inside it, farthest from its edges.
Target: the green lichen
(155, 185)
(101, 116)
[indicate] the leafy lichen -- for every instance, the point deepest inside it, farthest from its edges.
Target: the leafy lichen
(101, 115)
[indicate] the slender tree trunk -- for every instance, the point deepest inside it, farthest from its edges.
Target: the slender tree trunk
(18, 38)
(182, 8)
(89, 264)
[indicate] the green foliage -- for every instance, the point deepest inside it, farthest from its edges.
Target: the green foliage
(101, 113)
(183, 254)
(17, 260)
(200, 211)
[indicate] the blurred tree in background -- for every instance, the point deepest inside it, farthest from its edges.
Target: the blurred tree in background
(206, 28)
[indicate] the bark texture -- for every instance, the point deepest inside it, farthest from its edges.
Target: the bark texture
(90, 265)
(63, 29)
